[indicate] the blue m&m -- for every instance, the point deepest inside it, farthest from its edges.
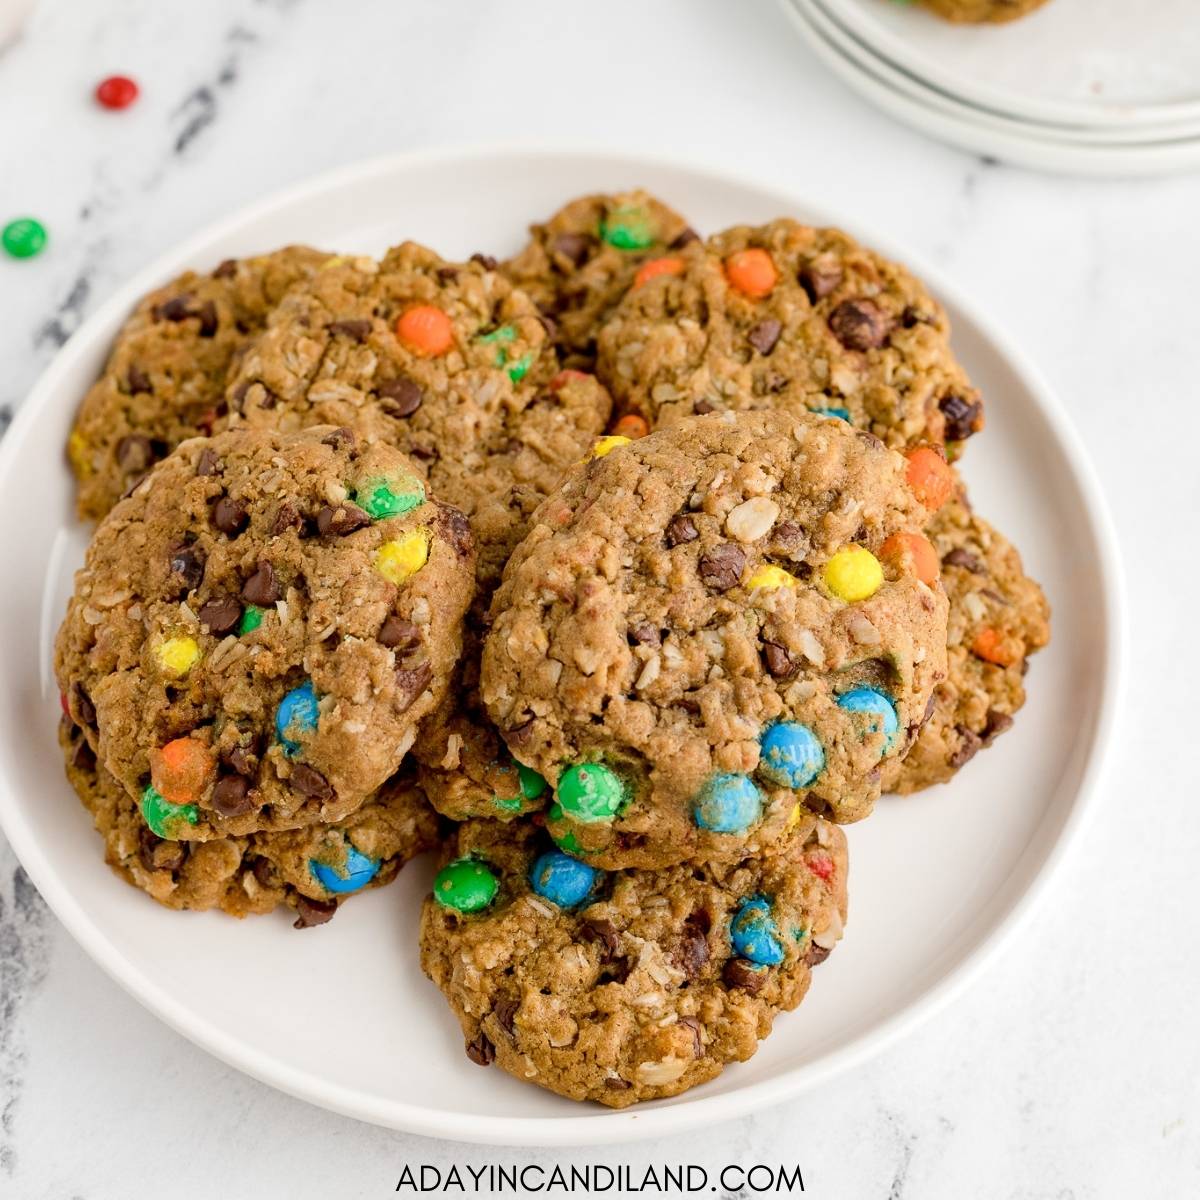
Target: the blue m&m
(728, 803)
(296, 716)
(754, 933)
(356, 872)
(841, 414)
(791, 755)
(878, 709)
(563, 880)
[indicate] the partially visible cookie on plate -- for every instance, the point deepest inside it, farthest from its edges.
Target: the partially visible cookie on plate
(631, 985)
(981, 11)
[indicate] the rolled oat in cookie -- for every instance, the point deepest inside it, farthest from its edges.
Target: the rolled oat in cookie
(708, 625)
(583, 259)
(627, 985)
(998, 617)
(165, 377)
(311, 870)
(785, 316)
(259, 628)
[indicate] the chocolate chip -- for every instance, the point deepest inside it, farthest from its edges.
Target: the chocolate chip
(519, 733)
(963, 417)
(400, 397)
(505, 1011)
(410, 683)
(859, 325)
(914, 316)
(486, 261)
(84, 709)
(693, 951)
(446, 275)
(342, 436)
(697, 1038)
(176, 309)
(703, 407)
(231, 796)
(764, 335)
(357, 331)
(310, 913)
(310, 783)
(738, 973)
(157, 854)
(208, 463)
(780, 663)
(134, 453)
(207, 312)
(721, 567)
(343, 519)
(604, 934)
(220, 616)
(550, 325)
(644, 634)
(685, 238)
(136, 380)
(774, 382)
(997, 723)
(968, 746)
(229, 516)
(965, 559)
(286, 517)
(264, 871)
(240, 759)
(681, 529)
(262, 588)
(573, 246)
(817, 954)
(397, 633)
(187, 565)
(819, 277)
(480, 1050)
(617, 1085)
(225, 269)
(83, 757)
(456, 530)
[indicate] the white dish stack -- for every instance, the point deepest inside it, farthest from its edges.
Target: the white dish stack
(1088, 87)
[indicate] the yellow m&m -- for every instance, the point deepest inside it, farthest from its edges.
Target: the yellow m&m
(606, 445)
(178, 655)
(401, 559)
(769, 577)
(853, 573)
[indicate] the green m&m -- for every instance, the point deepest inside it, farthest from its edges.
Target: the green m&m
(591, 792)
(627, 229)
(252, 618)
(163, 817)
(24, 237)
(531, 786)
(465, 885)
(382, 498)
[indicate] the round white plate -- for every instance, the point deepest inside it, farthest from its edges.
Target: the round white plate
(971, 129)
(341, 1015)
(827, 15)
(1075, 62)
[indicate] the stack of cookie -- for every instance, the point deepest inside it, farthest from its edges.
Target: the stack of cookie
(626, 571)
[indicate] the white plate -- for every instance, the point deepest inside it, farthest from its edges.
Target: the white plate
(828, 16)
(341, 1015)
(1082, 62)
(971, 129)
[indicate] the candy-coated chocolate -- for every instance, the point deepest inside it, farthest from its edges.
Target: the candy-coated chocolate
(382, 498)
(356, 872)
(878, 709)
(519, 369)
(181, 770)
(754, 934)
(752, 272)
(178, 655)
(842, 414)
(655, 267)
(531, 786)
(591, 792)
(791, 755)
(627, 228)
(609, 443)
(563, 880)
(116, 92)
(426, 331)
(728, 803)
(252, 618)
(465, 885)
(399, 560)
(768, 577)
(296, 716)
(24, 237)
(853, 574)
(162, 817)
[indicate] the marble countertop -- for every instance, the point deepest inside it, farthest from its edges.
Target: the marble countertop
(1072, 1069)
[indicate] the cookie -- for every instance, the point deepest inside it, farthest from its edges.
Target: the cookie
(707, 625)
(998, 617)
(310, 870)
(981, 11)
(629, 985)
(584, 258)
(785, 316)
(165, 377)
(448, 362)
(259, 628)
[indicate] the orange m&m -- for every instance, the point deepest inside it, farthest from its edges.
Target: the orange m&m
(426, 331)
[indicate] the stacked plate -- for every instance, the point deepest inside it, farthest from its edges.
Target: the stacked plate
(1090, 87)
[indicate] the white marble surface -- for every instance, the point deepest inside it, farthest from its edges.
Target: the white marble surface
(1072, 1070)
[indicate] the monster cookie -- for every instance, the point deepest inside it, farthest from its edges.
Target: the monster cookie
(449, 362)
(311, 870)
(628, 985)
(165, 377)
(581, 261)
(710, 624)
(785, 316)
(981, 11)
(998, 617)
(260, 626)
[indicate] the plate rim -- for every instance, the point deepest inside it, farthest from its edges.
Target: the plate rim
(697, 1110)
